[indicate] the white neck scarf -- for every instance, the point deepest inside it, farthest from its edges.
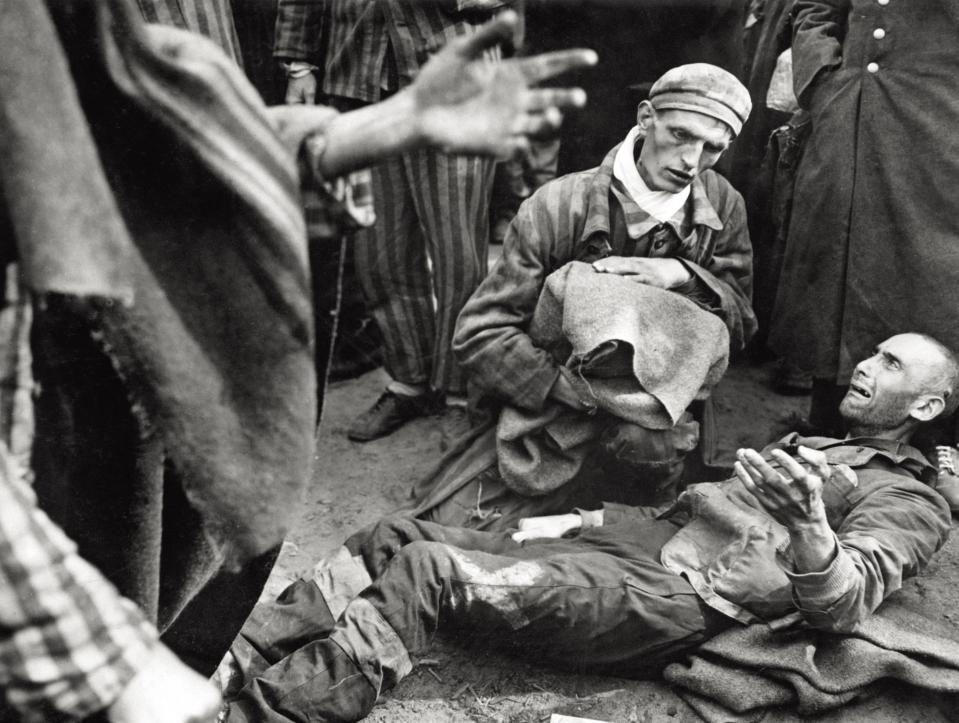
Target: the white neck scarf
(661, 205)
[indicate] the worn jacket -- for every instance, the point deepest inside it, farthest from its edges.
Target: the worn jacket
(576, 217)
(366, 47)
(886, 520)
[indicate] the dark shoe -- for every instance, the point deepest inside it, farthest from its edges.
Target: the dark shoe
(391, 412)
(947, 481)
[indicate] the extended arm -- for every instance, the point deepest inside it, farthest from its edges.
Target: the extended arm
(841, 577)
(460, 103)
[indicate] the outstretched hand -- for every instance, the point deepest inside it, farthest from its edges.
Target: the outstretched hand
(793, 496)
(466, 103)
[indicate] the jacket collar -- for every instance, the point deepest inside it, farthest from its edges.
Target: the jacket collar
(597, 214)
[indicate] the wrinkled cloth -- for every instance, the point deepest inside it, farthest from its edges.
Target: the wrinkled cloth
(743, 672)
(637, 353)
(163, 238)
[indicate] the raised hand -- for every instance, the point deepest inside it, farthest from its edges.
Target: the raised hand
(465, 103)
(793, 498)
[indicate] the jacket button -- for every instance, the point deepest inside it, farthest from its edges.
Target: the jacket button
(873, 67)
(883, 2)
(878, 33)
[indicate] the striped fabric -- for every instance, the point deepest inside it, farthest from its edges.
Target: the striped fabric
(350, 39)
(212, 18)
(427, 204)
(70, 643)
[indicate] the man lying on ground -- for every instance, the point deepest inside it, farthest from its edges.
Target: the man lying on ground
(815, 531)
(654, 211)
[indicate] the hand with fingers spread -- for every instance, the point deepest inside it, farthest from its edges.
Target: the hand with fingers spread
(659, 272)
(532, 528)
(467, 104)
(792, 495)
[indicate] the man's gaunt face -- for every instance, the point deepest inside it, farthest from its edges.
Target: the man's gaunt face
(884, 386)
(679, 145)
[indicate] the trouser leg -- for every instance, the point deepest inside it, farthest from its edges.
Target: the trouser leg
(390, 263)
(579, 604)
(451, 195)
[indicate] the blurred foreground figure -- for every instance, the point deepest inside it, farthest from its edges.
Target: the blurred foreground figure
(812, 533)
(154, 205)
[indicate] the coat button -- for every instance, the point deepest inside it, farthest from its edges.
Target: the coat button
(873, 67)
(878, 33)
(883, 2)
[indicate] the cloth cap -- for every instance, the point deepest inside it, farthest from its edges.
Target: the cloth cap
(706, 89)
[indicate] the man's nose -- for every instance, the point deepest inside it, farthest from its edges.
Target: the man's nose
(691, 155)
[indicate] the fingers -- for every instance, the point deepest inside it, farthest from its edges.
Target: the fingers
(535, 124)
(500, 29)
(817, 460)
(793, 468)
(541, 99)
(541, 67)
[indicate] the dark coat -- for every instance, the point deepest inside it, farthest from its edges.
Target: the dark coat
(873, 247)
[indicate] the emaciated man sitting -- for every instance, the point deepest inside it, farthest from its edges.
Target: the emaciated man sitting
(812, 531)
(653, 212)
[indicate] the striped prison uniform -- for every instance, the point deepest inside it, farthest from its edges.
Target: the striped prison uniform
(431, 208)
(212, 18)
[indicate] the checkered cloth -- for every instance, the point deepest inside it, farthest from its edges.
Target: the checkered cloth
(68, 642)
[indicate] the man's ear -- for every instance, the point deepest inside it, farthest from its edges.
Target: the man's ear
(927, 407)
(645, 115)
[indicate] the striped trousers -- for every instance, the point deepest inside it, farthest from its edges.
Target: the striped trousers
(423, 259)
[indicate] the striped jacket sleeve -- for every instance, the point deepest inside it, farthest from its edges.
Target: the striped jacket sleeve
(491, 340)
(69, 643)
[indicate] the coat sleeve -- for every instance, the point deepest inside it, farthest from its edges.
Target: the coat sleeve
(885, 538)
(298, 30)
(818, 33)
(728, 273)
(491, 340)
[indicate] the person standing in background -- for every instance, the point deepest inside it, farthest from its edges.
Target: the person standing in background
(872, 242)
(427, 251)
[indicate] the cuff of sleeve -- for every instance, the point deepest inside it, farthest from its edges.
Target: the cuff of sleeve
(534, 391)
(819, 591)
(591, 518)
(614, 512)
(298, 68)
(337, 206)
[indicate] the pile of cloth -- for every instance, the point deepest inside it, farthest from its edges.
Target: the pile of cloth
(633, 352)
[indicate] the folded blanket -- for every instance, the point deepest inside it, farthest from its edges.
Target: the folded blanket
(743, 672)
(639, 353)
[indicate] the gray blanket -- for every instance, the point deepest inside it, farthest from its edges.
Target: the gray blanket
(742, 673)
(639, 353)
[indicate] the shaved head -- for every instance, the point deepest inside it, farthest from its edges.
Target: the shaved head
(909, 379)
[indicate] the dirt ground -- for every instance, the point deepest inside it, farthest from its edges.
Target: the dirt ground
(354, 484)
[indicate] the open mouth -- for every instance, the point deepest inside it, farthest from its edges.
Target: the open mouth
(859, 389)
(679, 175)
